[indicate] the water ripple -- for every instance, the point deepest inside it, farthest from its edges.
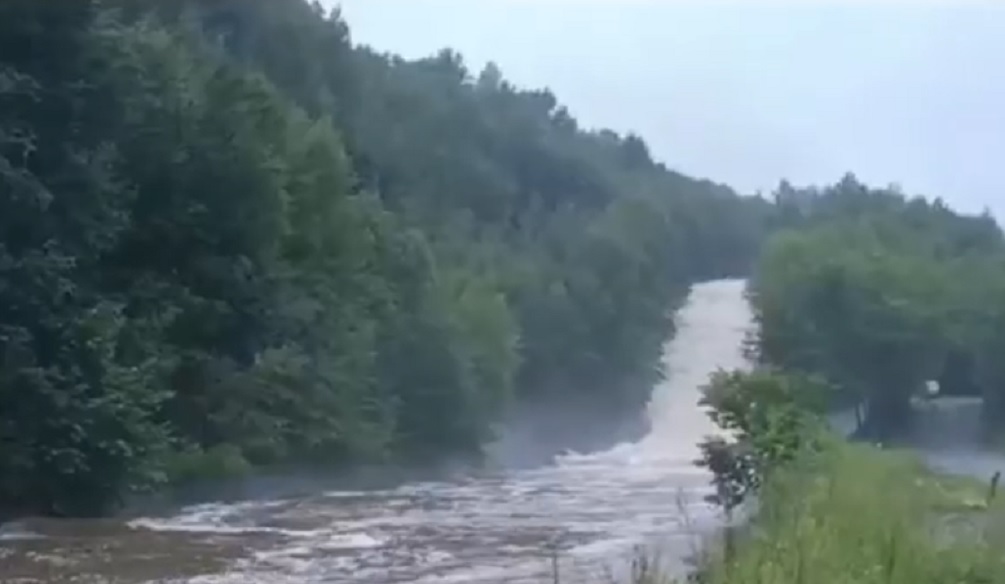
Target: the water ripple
(594, 508)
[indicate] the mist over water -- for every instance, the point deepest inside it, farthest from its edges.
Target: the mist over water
(489, 527)
(483, 528)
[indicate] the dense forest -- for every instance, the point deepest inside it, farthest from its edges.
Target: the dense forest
(230, 238)
(878, 293)
(861, 296)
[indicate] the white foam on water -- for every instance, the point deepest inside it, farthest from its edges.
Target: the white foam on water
(594, 507)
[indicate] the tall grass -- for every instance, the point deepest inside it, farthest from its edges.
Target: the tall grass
(856, 515)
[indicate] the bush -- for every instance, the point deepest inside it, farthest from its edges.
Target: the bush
(863, 516)
(769, 417)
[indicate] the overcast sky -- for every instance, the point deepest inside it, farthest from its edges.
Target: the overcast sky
(750, 92)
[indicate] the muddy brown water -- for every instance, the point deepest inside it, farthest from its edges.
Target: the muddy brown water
(595, 509)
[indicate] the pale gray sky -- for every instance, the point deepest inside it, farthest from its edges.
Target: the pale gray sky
(750, 92)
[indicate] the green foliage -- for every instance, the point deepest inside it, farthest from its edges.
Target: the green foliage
(878, 294)
(75, 405)
(223, 461)
(769, 418)
(229, 239)
(860, 296)
(855, 514)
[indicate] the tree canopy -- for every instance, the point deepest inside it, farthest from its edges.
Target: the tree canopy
(231, 238)
(879, 293)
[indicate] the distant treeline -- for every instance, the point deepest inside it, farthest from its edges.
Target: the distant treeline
(879, 293)
(230, 238)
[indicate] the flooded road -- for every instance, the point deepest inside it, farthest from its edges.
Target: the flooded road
(595, 508)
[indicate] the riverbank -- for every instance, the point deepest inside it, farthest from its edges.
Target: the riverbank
(856, 514)
(524, 442)
(483, 529)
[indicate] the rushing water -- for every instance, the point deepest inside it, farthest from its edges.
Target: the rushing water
(594, 508)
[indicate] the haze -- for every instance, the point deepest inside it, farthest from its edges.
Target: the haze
(743, 93)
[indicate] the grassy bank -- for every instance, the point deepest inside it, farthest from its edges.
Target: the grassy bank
(857, 515)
